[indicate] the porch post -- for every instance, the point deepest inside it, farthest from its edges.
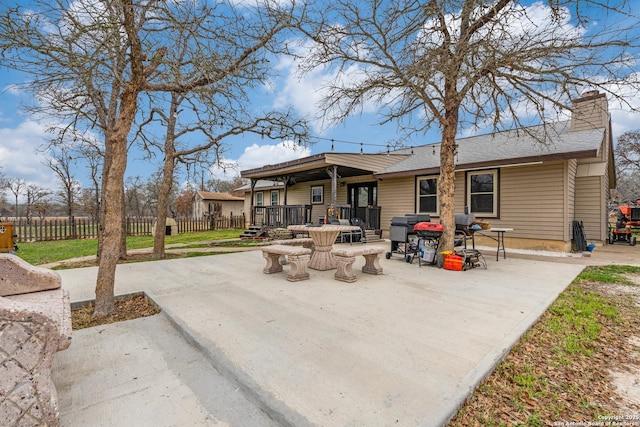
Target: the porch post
(252, 216)
(285, 211)
(333, 173)
(287, 179)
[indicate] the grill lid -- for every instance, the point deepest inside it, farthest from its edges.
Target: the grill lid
(465, 219)
(428, 226)
(404, 221)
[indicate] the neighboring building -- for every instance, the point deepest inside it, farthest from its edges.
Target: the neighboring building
(207, 204)
(509, 179)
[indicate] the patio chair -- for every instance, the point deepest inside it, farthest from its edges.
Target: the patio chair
(357, 236)
(345, 236)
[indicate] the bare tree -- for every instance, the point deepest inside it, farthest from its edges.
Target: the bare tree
(87, 203)
(224, 186)
(137, 198)
(41, 208)
(627, 159)
(91, 60)
(184, 202)
(274, 125)
(93, 155)
(62, 163)
(453, 63)
(17, 187)
(207, 91)
(36, 197)
(627, 152)
(88, 65)
(3, 189)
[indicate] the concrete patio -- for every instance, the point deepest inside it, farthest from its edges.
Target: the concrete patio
(236, 347)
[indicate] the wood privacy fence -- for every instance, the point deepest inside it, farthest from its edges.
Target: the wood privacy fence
(38, 230)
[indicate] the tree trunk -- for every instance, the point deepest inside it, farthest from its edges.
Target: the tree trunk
(163, 205)
(123, 220)
(112, 196)
(111, 227)
(446, 183)
(167, 177)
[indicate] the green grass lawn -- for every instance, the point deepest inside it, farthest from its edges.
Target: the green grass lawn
(559, 370)
(45, 252)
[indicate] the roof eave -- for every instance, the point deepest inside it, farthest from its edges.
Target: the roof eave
(494, 163)
(283, 168)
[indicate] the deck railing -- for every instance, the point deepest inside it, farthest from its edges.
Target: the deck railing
(281, 215)
(372, 218)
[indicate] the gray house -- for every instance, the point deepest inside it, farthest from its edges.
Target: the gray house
(508, 179)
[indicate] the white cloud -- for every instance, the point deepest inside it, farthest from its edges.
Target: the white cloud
(256, 156)
(305, 92)
(21, 156)
(12, 89)
(624, 120)
(623, 116)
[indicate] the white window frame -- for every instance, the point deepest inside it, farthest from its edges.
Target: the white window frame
(259, 198)
(275, 193)
(320, 194)
(496, 187)
(425, 177)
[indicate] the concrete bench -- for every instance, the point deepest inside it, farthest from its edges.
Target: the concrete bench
(35, 323)
(297, 256)
(306, 242)
(345, 257)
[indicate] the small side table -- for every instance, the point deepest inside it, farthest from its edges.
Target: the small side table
(500, 239)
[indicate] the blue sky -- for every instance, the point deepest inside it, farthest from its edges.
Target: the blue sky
(22, 137)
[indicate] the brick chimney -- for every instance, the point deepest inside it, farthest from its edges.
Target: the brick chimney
(591, 111)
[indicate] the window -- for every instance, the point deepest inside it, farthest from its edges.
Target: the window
(317, 195)
(259, 198)
(482, 192)
(275, 198)
(427, 194)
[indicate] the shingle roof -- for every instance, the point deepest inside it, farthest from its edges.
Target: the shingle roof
(537, 143)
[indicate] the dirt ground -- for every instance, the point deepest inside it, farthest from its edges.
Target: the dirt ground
(602, 388)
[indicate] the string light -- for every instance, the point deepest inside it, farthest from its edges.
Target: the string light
(333, 142)
(342, 141)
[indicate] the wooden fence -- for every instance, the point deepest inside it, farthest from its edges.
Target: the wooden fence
(38, 230)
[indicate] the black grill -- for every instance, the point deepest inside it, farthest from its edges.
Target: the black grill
(401, 231)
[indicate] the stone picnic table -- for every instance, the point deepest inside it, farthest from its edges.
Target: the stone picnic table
(323, 238)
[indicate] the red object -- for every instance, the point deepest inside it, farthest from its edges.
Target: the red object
(428, 226)
(626, 210)
(453, 262)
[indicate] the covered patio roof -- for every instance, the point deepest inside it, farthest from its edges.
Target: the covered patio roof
(319, 166)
